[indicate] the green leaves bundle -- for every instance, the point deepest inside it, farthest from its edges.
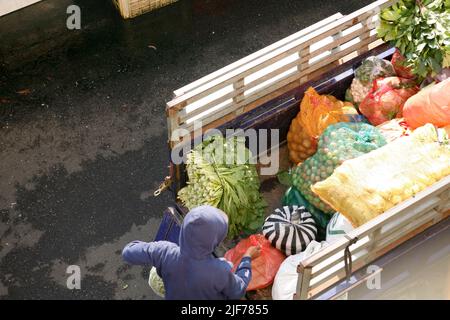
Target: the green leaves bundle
(220, 175)
(420, 29)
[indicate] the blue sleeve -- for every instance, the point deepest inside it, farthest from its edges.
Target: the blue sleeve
(145, 253)
(238, 281)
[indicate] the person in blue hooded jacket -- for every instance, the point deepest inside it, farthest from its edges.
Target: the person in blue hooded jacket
(190, 271)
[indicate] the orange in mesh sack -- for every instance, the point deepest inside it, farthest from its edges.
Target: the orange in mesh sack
(265, 267)
(317, 112)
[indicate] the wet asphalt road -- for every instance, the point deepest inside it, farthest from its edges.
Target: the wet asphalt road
(83, 132)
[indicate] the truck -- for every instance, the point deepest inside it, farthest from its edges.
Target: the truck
(263, 91)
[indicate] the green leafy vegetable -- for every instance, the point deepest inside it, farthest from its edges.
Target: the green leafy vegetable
(284, 177)
(420, 29)
(221, 175)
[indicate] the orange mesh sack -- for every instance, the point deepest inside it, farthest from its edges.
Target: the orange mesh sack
(265, 267)
(301, 146)
(317, 112)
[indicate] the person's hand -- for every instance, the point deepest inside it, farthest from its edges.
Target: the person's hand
(253, 252)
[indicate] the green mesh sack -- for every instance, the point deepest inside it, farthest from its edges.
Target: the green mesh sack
(339, 142)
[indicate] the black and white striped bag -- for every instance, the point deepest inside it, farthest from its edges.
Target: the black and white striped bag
(290, 229)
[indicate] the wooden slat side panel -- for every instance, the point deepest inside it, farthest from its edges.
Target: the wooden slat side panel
(382, 246)
(266, 73)
(363, 261)
(314, 79)
(255, 55)
(438, 188)
(311, 38)
(384, 233)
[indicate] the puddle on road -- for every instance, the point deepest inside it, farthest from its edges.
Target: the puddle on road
(105, 261)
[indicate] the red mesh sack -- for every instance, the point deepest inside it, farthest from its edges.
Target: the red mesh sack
(386, 99)
(397, 61)
(265, 267)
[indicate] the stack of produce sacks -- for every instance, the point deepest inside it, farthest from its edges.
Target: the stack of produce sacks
(317, 112)
(221, 175)
(364, 187)
(339, 142)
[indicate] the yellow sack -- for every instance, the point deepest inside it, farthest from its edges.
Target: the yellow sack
(317, 112)
(364, 187)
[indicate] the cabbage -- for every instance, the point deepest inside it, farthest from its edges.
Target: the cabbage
(156, 283)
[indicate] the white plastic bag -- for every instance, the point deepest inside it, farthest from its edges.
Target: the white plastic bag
(285, 283)
(338, 227)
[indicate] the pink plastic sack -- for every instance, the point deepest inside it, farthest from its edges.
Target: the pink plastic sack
(265, 267)
(430, 105)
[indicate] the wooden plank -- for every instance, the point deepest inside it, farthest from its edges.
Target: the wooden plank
(397, 237)
(133, 8)
(257, 54)
(337, 42)
(9, 6)
(231, 107)
(334, 55)
(246, 108)
(325, 267)
(252, 105)
(303, 283)
(329, 72)
(124, 8)
(400, 231)
(238, 92)
(338, 54)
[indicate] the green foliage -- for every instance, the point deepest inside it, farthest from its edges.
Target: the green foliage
(420, 29)
(221, 175)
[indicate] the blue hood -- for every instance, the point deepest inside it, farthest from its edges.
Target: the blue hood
(189, 270)
(203, 229)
